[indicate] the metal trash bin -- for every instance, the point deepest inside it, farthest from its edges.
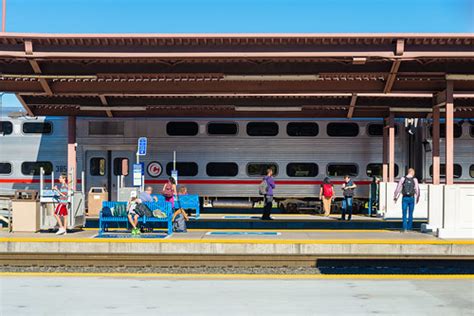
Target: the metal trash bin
(26, 211)
(95, 198)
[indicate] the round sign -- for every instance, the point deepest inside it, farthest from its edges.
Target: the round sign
(154, 169)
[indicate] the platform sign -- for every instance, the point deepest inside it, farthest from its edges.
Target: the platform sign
(142, 144)
(174, 174)
(137, 174)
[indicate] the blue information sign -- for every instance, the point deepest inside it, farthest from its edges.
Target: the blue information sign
(142, 144)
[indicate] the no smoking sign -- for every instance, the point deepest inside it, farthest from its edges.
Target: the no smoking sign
(154, 169)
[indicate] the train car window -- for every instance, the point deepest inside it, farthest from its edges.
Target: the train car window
(32, 168)
(302, 169)
(376, 129)
(262, 129)
(471, 131)
(375, 170)
(98, 166)
(457, 170)
(106, 128)
(182, 128)
(301, 129)
(185, 169)
(471, 171)
(121, 166)
(222, 128)
(37, 128)
(6, 128)
(258, 169)
(340, 170)
(5, 168)
(222, 169)
(339, 129)
(442, 130)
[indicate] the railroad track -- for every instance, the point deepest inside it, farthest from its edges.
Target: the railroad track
(216, 261)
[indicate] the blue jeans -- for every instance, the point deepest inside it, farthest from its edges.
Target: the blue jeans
(347, 208)
(408, 204)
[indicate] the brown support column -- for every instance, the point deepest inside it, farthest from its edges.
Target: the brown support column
(391, 148)
(71, 149)
(385, 152)
(435, 149)
(449, 133)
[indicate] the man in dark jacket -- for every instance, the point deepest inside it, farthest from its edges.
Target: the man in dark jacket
(268, 198)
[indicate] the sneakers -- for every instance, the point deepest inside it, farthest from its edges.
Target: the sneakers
(61, 231)
(135, 231)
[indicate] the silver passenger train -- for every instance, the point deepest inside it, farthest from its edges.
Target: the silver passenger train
(221, 158)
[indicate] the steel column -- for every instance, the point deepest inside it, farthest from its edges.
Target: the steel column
(71, 149)
(435, 149)
(391, 148)
(385, 152)
(449, 141)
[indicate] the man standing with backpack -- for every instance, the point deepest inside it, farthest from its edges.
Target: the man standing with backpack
(409, 188)
(266, 189)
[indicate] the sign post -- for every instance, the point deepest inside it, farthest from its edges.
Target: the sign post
(139, 168)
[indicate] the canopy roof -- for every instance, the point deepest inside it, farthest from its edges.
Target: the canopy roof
(306, 75)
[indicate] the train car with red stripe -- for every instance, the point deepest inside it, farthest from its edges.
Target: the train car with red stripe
(221, 158)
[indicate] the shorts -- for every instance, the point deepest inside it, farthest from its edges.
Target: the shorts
(61, 210)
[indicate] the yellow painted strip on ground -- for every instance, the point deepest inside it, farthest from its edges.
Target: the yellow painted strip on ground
(243, 276)
(241, 241)
(272, 230)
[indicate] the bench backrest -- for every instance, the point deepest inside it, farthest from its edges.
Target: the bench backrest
(160, 205)
(188, 201)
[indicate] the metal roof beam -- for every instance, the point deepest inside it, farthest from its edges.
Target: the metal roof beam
(25, 105)
(103, 100)
(352, 105)
(36, 67)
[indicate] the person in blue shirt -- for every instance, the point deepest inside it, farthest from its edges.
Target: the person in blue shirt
(268, 198)
(348, 193)
(145, 196)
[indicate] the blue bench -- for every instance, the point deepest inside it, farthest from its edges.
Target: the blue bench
(187, 202)
(162, 206)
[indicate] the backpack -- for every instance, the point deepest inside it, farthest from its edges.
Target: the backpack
(106, 212)
(179, 224)
(328, 191)
(168, 191)
(143, 210)
(263, 187)
(408, 187)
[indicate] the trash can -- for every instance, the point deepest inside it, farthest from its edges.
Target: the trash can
(94, 200)
(25, 211)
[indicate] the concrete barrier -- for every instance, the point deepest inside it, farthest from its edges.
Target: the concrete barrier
(393, 210)
(458, 212)
(435, 208)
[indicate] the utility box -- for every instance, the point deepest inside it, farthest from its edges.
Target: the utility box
(25, 211)
(95, 198)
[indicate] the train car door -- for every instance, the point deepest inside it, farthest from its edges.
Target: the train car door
(104, 168)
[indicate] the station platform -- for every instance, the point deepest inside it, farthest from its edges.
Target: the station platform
(323, 243)
(241, 220)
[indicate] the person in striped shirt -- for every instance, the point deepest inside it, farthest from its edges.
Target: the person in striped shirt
(60, 213)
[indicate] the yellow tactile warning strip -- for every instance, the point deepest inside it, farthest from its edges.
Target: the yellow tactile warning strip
(244, 276)
(242, 241)
(272, 230)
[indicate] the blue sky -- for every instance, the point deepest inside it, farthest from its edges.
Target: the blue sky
(213, 16)
(232, 16)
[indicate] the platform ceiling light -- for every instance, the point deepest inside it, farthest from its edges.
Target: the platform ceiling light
(359, 60)
(270, 77)
(113, 108)
(268, 109)
(460, 77)
(38, 76)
